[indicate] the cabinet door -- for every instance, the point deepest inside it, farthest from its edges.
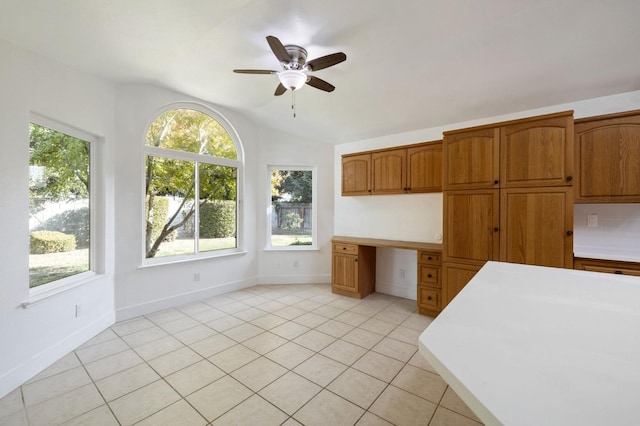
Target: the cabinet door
(608, 159)
(471, 159)
(454, 278)
(471, 225)
(389, 171)
(537, 226)
(424, 168)
(344, 272)
(356, 174)
(537, 153)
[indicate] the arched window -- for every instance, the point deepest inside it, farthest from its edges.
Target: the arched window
(192, 167)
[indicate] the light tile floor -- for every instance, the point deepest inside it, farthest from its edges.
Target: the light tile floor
(266, 355)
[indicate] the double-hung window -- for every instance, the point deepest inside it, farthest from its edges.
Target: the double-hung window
(191, 182)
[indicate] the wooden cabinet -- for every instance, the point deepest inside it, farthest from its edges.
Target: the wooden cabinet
(353, 269)
(537, 226)
(531, 152)
(389, 171)
(607, 158)
(507, 196)
(471, 224)
(429, 284)
(356, 174)
(608, 266)
(537, 153)
(424, 168)
(471, 159)
(455, 276)
(407, 169)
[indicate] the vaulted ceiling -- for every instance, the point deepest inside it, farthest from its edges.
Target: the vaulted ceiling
(411, 64)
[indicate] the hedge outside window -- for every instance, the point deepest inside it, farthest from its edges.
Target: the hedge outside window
(191, 181)
(59, 204)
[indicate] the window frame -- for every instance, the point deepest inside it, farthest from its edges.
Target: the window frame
(314, 209)
(238, 164)
(96, 221)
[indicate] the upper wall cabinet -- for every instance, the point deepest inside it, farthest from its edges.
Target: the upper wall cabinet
(607, 158)
(531, 152)
(471, 159)
(537, 153)
(408, 169)
(356, 174)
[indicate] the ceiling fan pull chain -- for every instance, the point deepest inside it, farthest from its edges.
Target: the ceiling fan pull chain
(293, 102)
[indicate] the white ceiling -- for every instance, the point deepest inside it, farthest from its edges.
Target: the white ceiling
(411, 64)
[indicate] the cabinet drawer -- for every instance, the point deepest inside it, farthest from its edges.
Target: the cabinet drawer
(429, 257)
(429, 275)
(608, 266)
(612, 270)
(345, 248)
(428, 297)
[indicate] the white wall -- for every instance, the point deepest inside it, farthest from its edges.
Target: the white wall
(35, 337)
(419, 217)
(303, 266)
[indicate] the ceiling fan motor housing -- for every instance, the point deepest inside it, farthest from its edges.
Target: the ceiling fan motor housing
(298, 57)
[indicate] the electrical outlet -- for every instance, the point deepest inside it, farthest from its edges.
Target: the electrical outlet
(295, 263)
(592, 220)
(78, 310)
(401, 273)
(196, 276)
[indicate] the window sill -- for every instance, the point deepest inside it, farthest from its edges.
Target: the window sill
(292, 248)
(49, 290)
(187, 258)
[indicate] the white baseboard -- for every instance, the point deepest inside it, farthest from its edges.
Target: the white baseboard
(296, 279)
(181, 299)
(34, 365)
(392, 290)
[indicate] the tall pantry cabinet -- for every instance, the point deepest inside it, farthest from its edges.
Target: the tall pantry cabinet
(508, 196)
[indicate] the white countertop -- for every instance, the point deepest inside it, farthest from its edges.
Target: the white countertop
(530, 345)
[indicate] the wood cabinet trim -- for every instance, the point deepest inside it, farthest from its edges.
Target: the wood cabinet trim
(509, 122)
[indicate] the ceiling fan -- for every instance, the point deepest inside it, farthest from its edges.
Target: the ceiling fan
(296, 70)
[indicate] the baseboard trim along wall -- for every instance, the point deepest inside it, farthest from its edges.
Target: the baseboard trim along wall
(295, 279)
(34, 365)
(181, 299)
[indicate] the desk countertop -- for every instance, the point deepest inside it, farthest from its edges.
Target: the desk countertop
(529, 345)
(377, 242)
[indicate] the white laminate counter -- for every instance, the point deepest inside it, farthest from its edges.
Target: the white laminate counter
(530, 345)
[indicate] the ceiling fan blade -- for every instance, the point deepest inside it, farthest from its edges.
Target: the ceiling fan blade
(319, 83)
(326, 61)
(280, 90)
(278, 49)
(255, 71)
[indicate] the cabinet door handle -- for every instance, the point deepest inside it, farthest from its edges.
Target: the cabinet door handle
(429, 297)
(569, 233)
(355, 260)
(429, 275)
(569, 178)
(495, 182)
(496, 229)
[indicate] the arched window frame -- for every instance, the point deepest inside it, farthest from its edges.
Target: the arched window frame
(200, 158)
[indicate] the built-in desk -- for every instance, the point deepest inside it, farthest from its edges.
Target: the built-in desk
(353, 269)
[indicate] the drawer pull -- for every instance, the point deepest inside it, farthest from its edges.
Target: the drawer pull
(429, 258)
(429, 297)
(569, 178)
(344, 248)
(569, 233)
(429, 275)
(618, 272)
(495, 182)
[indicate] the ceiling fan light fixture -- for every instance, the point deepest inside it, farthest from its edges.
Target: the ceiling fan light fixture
(292, 79)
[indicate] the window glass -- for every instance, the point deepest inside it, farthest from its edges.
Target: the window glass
(59, 205)
(191, 184)
(191, 131)
(292, 207)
